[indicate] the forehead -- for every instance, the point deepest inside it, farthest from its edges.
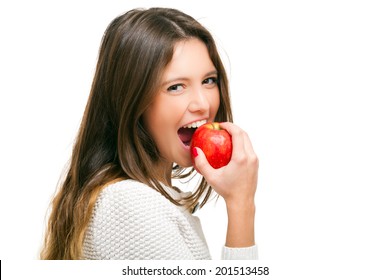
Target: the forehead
(189, 56)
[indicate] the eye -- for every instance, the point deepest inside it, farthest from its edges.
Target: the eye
(176, 88)
(211, 81)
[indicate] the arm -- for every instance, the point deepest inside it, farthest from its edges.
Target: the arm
(241, 228)
(236, 183)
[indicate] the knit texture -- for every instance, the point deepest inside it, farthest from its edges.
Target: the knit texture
(132, 221)
(246, 253)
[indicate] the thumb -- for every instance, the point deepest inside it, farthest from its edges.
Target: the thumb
(201, 163)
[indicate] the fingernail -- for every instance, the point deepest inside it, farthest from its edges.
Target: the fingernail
(194, 152)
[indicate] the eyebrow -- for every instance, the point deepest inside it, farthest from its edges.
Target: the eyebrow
(214, 72)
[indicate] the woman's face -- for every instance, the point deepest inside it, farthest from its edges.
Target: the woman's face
(188, 97)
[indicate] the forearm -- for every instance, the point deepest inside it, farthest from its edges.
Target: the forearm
(241, 228)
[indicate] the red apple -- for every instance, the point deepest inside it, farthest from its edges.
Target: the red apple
(215, 142)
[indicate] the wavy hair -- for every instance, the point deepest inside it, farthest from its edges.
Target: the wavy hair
(112, 141)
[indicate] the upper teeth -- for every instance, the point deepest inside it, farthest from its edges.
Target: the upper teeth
(195, 124)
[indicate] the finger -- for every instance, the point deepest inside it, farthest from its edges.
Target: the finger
(201, 163)
(230, 127)
(238, 138)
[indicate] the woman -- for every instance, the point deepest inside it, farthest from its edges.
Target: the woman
(158, 73)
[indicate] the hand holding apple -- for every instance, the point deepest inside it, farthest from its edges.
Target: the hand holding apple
(215, 142)
(236, 183)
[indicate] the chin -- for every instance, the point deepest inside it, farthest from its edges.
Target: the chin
(185, 163)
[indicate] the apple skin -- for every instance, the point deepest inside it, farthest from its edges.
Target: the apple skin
(215, 142)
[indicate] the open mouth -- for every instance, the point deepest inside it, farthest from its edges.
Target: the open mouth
(185, 133)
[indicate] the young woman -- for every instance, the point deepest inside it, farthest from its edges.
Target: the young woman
(158, 77)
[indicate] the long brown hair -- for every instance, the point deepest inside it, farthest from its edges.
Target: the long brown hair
(112, 141)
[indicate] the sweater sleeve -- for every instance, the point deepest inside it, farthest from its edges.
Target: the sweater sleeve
(136, 222)
(246, 253)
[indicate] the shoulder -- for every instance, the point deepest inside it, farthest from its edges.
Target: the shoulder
(132, 195)
(127, 186)
(133, 221)
(131, 202)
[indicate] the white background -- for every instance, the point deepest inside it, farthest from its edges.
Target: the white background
(310, 83)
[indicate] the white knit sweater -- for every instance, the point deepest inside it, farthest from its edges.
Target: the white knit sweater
(132, 221)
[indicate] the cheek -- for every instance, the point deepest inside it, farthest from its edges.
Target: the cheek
(163, 111)
(162, 117)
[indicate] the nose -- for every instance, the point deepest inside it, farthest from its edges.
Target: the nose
(198, 101)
